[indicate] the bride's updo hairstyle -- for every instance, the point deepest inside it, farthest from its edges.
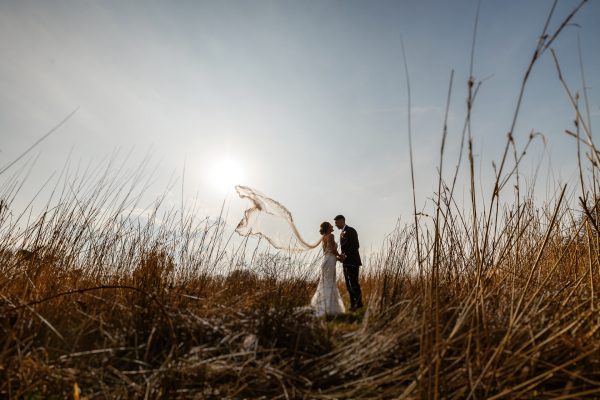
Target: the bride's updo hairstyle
(324, 228)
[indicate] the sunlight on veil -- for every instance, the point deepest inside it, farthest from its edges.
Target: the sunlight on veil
(270, 220)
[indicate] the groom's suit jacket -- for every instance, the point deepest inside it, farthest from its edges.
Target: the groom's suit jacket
(349, 244)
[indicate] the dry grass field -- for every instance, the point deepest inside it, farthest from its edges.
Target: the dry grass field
(517, 318)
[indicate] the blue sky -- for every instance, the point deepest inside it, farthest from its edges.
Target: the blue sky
(308, 97)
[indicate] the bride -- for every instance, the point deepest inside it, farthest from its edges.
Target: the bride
(327, 299)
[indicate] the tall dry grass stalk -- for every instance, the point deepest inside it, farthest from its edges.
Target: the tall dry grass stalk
(98, 304)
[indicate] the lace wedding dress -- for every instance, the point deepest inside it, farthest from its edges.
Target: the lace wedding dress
(327, 299)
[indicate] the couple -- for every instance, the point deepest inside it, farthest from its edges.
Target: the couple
(269, 219)
(327, 299)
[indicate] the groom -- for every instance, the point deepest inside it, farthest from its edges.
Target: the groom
(351, 260)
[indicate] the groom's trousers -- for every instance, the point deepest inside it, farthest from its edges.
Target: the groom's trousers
(351, 278)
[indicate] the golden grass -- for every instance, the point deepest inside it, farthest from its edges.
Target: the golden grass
(521, 324)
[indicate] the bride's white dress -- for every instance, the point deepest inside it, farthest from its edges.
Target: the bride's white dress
(327, 299)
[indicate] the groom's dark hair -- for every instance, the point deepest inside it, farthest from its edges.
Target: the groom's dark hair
(339, 217)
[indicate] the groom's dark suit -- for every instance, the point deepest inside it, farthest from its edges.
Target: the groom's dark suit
(349, 244)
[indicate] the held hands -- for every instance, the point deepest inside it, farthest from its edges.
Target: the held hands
(341, 257)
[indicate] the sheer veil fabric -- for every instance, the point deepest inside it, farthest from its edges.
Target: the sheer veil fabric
(270, 220)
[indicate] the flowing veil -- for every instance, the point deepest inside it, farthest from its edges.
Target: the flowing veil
(270, 220)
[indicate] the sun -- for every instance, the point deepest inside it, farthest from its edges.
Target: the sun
(226, 173)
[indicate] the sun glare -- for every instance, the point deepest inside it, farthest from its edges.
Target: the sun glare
(226, 173)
